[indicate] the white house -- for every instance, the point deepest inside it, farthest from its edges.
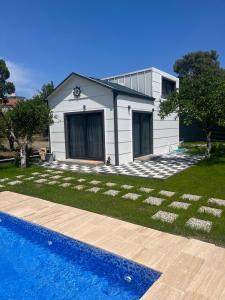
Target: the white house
(113, 119)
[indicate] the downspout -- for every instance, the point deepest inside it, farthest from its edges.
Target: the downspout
(115, 94)
(49, 136)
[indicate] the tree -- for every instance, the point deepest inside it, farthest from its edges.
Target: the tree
(201, 95)
(45, 91)
(27, 119)
(195, 63)
(6, 87)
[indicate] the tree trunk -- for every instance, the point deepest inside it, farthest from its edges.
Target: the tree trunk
(23, 158)
(209, 145)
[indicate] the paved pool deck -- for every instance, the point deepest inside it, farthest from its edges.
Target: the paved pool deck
(191, 269)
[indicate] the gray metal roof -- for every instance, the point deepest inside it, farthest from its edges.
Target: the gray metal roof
(115, 87)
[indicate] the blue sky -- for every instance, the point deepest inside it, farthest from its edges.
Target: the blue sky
(46, 40)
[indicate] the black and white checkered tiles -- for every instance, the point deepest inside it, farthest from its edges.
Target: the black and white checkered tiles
(160, 167)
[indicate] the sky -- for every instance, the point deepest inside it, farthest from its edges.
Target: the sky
(44, 40)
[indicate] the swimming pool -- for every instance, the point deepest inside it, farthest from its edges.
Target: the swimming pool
(38, 264)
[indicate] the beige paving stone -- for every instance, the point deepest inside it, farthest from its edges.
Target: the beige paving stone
(1, 186)
(20, 176)
(182, 272)
(161, 291)
(208, 282)
(29, 178)
(56, 177)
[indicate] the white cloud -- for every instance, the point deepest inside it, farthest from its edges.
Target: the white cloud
(23, 79)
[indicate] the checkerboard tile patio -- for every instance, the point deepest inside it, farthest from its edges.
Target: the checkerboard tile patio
(159, 167)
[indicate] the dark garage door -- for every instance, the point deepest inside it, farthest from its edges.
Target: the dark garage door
(85, 136)
(142, 134)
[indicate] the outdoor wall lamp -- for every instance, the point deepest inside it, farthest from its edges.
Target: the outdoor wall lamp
(84, 107)
(129, 107)
(153, 110)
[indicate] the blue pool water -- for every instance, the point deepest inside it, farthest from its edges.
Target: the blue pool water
(38, 264)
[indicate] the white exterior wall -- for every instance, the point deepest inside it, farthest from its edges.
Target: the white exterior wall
(94, 97)
(165, 132)
(149, 81)
(125, 135)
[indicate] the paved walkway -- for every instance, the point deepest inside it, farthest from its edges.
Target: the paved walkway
(159, 167)
(191, 269)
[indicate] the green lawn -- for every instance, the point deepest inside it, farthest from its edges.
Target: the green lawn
(206, 179)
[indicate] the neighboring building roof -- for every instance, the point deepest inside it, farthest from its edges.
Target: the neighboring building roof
(120, 89)
(13, 100)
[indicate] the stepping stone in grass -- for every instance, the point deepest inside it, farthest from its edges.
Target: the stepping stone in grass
(146, 190)
(165, 216)
(127, 187)
(29, 178)
(154, 201)
(110, 184)
(111, 193)
(131, 196)
(167, 193)
(79, 187)
(199, 224)
(94, 189)
(177, 204)
(220, 202)
(209, 210)
(81, 180)
(14, 182)
(4, 179)
(1, 186)
(49, 170)
(20, 176)
(44, 175)
(35, 173)
(191, 197)
(58, 172)
(95, 182)
(67, 178)
(40, 180)
(53, 182)
(56, 177)
(66, 184)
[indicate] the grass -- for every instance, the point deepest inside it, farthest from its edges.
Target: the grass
(206, 179)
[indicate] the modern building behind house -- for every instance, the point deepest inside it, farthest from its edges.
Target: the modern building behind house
(113, 119)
